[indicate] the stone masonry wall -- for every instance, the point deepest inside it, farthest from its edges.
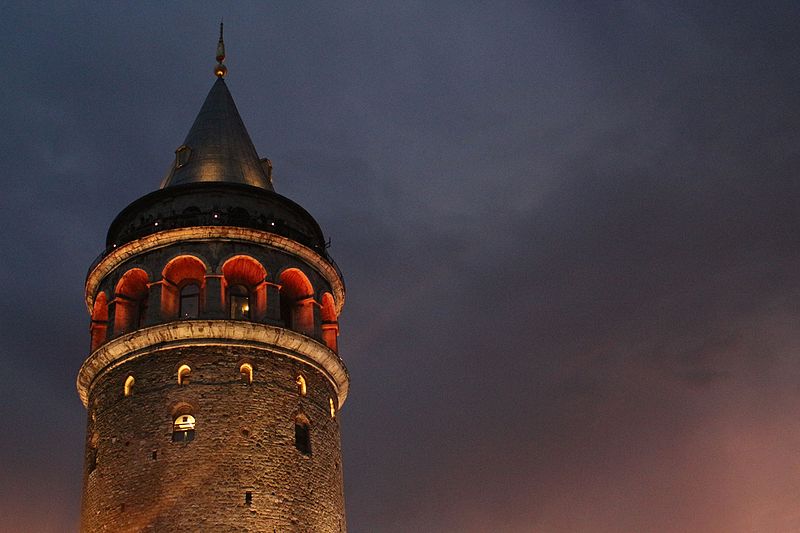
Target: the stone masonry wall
(137, 479)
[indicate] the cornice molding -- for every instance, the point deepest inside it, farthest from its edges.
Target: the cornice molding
(176, 334)
(165, 238)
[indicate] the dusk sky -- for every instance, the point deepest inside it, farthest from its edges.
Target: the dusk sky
(570, 236)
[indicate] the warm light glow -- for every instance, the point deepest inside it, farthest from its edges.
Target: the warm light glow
(99, 325)
(244, 277)
(183, 428)
(182, 287)
(183, 423)
(183, 375)
(246, 370)
(131, 301)
(330, 325)
(297, 301)
(333, 408)
(160, 239)
(129, 385)
(301, 385)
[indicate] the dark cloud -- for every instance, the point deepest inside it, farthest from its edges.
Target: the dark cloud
(569, 235)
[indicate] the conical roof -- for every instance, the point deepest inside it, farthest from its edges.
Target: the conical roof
(218, 147)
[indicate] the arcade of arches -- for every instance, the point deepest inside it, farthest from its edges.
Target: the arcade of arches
(240, 291)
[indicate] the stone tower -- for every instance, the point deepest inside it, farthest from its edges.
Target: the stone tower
(213, 381)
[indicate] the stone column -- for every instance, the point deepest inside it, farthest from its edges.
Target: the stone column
(153, 314)
(273, 303)
(214, 300)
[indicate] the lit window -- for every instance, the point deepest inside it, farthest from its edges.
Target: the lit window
(333, 408)
(301, 385)
(129, 385)
(239, 298)
(190, 301)
(130, 301)
(183, 374)
(183, 428)
(246, 372)
(302, 435)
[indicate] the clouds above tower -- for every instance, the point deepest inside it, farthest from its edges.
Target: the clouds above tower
(568, 233)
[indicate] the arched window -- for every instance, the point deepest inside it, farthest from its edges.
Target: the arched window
(99, 327)
(129, 385)
(333, 408)
(130, 301)
(190, 301)
(301, 384)
(297, 301)
(239, 298)
(330, 326)
(246, 372)
(183, 428)
(183, 374)
(302, 434)
(182, 284)
(246, 289)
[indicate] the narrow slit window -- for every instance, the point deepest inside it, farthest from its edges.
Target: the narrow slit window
(333, 407)
(248, 498)
(190, 301)
(129, 382)
(302, 435)
(183, 374)
(301, 385)
(246, 373)
(183, 428)
(92, 464)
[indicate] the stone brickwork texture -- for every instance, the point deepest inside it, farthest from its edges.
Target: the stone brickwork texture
(137, 479)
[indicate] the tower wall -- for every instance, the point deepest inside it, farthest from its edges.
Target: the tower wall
(244, 442)
(213, 380)
(136, 478)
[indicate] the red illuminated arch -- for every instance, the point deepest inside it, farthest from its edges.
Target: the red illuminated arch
(243, 272)
(130, 300)
(180, 272)
(99, 326)
(297, 301)
(330, 326)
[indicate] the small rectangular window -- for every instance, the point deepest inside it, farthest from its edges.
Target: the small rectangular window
(92, 460)
(248, 497)
(302, 438)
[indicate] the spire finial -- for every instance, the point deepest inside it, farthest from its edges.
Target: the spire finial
(220, 70)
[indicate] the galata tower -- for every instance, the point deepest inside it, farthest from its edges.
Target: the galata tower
(213, 383)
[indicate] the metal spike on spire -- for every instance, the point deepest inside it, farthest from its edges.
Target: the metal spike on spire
(220, 70)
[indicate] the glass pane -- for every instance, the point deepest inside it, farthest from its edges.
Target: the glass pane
(240, 303)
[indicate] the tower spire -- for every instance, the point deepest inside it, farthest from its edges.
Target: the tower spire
(220, 70)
